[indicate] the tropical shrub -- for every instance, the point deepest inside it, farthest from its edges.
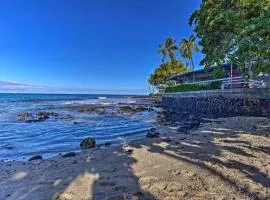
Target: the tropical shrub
(185, 88)
(194, 87)
(215, 85)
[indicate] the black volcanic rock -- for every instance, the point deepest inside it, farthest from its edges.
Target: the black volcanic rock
(37, 157)
(88, 143)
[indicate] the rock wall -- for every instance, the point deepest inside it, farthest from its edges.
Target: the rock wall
(217, 103)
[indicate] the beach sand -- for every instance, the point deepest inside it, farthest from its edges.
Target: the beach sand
(228, 158)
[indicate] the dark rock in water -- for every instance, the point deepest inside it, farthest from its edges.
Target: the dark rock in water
(43, 118)
(91, 109)
(9, 147)
(88, 143)
(152, 134)
(192, 124)
(126, 109)
(166, 140)
(39, 119)
(161, 117)
(68, 155)
(184, 129)
(152, 129)
(107, 144)
(37, 157)
(24, 116)
(132, 110)
(129, 151)
(47, 114)
(141, 109)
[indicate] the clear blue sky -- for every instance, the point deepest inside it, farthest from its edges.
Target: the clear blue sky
(100, 44)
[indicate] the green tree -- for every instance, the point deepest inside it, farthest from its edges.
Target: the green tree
(167, 49)
(236, 31)
(187, 47)
(165, 71)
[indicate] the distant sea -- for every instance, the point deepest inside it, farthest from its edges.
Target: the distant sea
(20, 140)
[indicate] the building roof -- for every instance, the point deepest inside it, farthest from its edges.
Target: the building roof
(209, 69)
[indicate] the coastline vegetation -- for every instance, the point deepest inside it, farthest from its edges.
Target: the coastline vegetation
(236, 32)
(193, 87)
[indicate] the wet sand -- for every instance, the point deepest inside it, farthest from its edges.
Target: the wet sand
(228, 158)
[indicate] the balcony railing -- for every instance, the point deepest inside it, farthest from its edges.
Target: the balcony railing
(232, 82)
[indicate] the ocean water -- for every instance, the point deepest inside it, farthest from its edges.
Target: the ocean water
(20, 140)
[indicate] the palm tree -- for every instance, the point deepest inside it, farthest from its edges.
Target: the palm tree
(187, 46)
(168, 49)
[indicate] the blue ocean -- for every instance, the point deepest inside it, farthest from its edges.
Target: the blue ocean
(21, 140)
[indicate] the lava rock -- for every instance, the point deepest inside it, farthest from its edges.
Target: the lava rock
(37, 157)
(68, 155)
(152, 134)
(47, 114)
(126, 109)
(39, 119)
(24, 116)
(131, 110)
(184, 129)
(88, 143)
(166, 140)
(107, 144)
(91, 109)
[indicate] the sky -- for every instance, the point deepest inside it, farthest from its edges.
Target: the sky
(87, 46)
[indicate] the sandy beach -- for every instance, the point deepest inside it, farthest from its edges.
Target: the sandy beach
(226, 158)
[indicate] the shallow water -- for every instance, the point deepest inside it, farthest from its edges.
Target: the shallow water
(20, 140)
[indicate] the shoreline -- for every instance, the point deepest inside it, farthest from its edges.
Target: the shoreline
(54, 127)
(226, 158)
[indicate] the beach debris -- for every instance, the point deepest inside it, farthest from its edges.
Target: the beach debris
(68, 155)
(88, 143)
(37, 157)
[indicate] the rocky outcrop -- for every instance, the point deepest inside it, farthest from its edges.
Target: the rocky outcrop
(88, 143)
(38, 117)
(47, 114)
(188, 124)
(68, 155)
(37, 157)
(152, 133)
(24, 116)
(131, 110)
(90, 109)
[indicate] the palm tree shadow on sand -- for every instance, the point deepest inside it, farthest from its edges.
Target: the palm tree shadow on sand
(225, 154)
(107, 176)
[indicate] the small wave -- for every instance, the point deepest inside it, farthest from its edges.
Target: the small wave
(102, 97)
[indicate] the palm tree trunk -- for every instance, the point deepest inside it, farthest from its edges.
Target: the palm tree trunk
(193, 75)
